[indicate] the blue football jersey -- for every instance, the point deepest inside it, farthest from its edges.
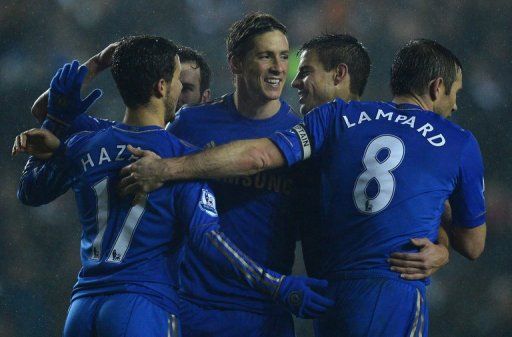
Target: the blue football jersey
(385, 171)
(131, 244)
(253, 211)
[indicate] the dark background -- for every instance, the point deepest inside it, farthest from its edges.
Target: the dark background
(39, 247)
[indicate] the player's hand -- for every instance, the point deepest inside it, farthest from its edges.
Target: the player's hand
(64, 101)
(39, 143)
(417, 266)
(142, 176)
(101, 61)
(104, 57)
(95, 64)
(298, 294)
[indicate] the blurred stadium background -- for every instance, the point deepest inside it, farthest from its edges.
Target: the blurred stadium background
(39, 247)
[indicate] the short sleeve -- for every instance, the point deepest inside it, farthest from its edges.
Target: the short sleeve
(308, 137)
(467, 200)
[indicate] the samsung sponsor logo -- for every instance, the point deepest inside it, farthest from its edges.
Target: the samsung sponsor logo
(270, 181)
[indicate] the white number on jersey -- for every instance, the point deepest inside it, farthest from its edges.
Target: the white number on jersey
(380, 171)
(124, 237)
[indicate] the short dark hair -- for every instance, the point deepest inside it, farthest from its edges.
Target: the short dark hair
(419, 62)
(242, 32)
(188, 54)
(333, 49)
(138, 63)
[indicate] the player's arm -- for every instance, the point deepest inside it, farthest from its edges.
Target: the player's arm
(469, 242)
(196, 205)
(43, 181)
(95, 64)
(468, 229)
(430, 257)
(244, 157)
(46, 175)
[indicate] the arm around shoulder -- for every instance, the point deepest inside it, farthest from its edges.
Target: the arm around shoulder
(244, 157)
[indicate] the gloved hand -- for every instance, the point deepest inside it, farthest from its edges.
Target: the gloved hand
(64, 101)
(298, 295)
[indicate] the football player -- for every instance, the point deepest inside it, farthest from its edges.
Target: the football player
(387, 169)
(129, 246)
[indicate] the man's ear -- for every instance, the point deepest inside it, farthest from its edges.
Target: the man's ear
(206, 96)
(435, 88)
(340, 73)
(160, 88)
(235, 64)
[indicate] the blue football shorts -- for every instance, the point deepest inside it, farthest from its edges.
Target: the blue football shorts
(198, 321)
(119, 315)
(375, 307)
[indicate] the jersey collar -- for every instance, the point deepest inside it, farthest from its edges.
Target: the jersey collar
(406, 106)
(133, 128)
(230, 103)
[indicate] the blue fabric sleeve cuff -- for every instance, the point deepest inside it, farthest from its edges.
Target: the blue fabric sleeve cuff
(284, 145)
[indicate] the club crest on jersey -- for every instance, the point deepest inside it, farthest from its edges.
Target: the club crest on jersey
(207, 203)
(209, 145)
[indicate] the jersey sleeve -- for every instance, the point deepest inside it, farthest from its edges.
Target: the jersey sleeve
(308, 137)
(43, 181)
(195, 205)
(85, 122)
(467, 200)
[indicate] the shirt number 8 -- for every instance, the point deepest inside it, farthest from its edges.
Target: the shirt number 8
(380, 171)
